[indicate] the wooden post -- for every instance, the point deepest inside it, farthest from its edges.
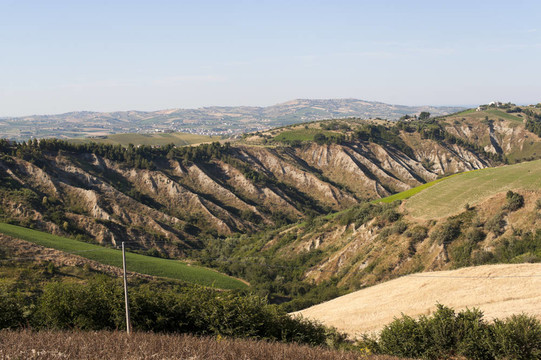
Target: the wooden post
(126, 301)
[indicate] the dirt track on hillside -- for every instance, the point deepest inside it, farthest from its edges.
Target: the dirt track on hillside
(498, 290)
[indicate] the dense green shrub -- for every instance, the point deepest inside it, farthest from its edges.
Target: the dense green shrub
(11, 312)
(514, 201)
(447, 334)
(399, 227)
(95, 306)
(447, 232)
(390, 216)
(517, 337)
(417, 233)
(475, 235)
(496, 224)
(461, 253)
(402, 337)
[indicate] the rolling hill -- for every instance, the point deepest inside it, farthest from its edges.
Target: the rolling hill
(216, 120)
(497, 290)
(291, 209)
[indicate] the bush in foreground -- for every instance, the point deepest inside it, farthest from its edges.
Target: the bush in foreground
(99, 305)
(447, 334)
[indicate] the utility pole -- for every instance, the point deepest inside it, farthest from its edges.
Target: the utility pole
(128, 322)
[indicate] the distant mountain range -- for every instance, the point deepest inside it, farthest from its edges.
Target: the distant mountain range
(214, 120)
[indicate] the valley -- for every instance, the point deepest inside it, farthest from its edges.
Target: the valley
(345, 209)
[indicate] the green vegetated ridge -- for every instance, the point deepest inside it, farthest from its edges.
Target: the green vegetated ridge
(136, 262)
(156, 139)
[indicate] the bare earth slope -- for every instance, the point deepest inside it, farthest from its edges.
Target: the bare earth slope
(172, 196)
(498, 290)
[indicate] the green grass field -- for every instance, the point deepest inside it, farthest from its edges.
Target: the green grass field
(450, 196)
(503, 115)
(409, 193)
(179, 139)
(135, 262)
(303, 134)
(465, 112)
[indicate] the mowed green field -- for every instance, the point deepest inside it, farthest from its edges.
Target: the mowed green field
(409, 193)
(135, 262)
(450, 196)
(179, 139)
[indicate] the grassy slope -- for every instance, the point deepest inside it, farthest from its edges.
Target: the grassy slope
(410, 192)
(135, 262)
(178, 139)
(450, 196)
(503, 115)
(417, 294)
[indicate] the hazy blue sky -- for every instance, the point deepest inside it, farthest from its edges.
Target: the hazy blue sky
(58, 56)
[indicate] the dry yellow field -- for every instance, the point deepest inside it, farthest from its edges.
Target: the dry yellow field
(498, 290)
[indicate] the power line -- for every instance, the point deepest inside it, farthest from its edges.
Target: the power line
(473, 277)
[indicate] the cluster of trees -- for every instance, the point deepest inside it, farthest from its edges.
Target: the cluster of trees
(462, 234)
(424, 115)
(533, 123)
(382, 135)
(322, 139)
(139, 157)
(201, 153)
(335, 125)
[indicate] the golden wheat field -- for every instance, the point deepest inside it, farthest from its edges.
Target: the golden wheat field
(498, 290)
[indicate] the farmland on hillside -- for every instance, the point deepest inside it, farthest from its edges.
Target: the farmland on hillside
(418, 294)
(409, 193)
(450, 196)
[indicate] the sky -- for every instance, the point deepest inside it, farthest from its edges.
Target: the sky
(60, 56)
